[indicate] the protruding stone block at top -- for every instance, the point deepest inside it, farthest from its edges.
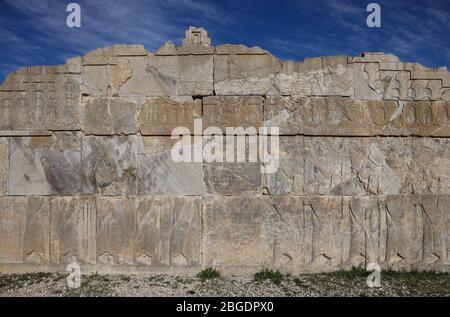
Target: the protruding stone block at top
(196, 36)
(196, 42)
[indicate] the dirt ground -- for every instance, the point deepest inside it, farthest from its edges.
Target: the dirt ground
(349, 283)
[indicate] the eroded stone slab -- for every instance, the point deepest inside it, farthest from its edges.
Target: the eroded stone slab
(24, 230)
(159, 174)
(371, 83)
(150, 76)
(51, 104)
(290, 233)
(45, 165)
(168, 232)
(360, 166)
(115, 231)
(244, 74)
(233, 112)
(318, 116)
(159, 116)
(4, 164)
(109, 165)
(73, 231)
(109, 116)
(195, 75)
(405, 232)
(330, 76)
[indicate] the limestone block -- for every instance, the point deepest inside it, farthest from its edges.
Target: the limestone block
(244, 74)
(120, 73)
(95, 80)
(371, 83)
(233, 178)
(168, 232)
(195, 50)
(129, 50)
(318, 116)
(116, 229)
(108, 116)
(45, 165)
(159, 174)
(330, 76)
(109, 165)
(233, 112)
(430, 168)
(74, 65)
(238, 168)
(151, 76)
(24, 230)
(73, 230)
(119, 50)
(347, 117)
(42, 105)
(230, 49)
(195, 75)
(289, 233)
(360, 166)
(422, 118)
(159, 116)
(4, 164)
(405, 232)
(374, 57)
(168, 49)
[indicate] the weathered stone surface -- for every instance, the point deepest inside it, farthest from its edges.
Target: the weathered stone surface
(374, 57)
(95, 79)
(371, 83)
(168, 232)
(47, 104)
(195, 50)
(107, 116)
(233, 112)
(73, 230)
(318, 116)
(360, 166)
(158, 174)
(330, 76)
(150, 76)
(195, 75)
(168, 49)
(109, 165)
(24, 230)
(244, 74)
(337, 116)
(185, 75)
(406, 232)
(116, 229)
(424, 118)
(290, 233)
(229, 49)
(230, 179)
(159, 116)
(45, 165)
(4, 164)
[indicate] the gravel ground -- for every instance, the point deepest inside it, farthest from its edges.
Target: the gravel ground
(350, 283)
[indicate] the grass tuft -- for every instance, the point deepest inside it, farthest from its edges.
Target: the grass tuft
(275, 277)
(208, 274)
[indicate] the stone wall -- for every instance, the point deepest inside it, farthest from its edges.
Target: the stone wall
(86, 173)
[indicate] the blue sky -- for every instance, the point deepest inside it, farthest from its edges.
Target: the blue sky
(35, 32)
